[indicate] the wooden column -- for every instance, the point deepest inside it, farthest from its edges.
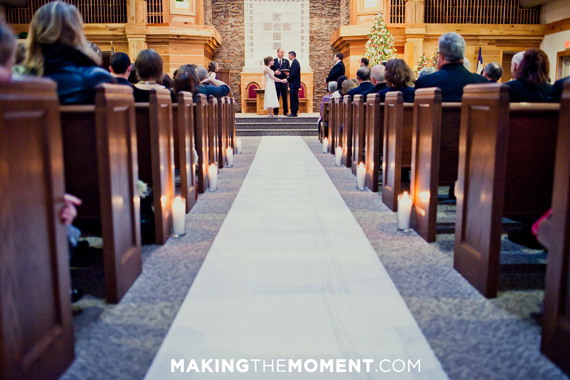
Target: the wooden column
(415, 31)
(135, 29)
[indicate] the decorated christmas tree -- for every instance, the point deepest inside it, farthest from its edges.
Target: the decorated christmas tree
(422, 62)
(380, 45)
(434, 57)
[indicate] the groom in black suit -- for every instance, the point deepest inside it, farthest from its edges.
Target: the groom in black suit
(294, 80)
(280, 64)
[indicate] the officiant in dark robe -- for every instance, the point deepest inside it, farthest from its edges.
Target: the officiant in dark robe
(279, 65)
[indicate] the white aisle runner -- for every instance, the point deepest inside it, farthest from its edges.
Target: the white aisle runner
(292, 276)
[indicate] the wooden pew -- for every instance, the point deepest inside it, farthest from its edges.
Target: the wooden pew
(36, 333)
(506, 163)
(183, 132)
(232, 111)
(334, 124)
(324, 127)
(100, 160)
(221, 131)
(358, 131)
(435, 156)
(156, 157)
(201, 134)
(347, 137)
(339, 109)
(397, 153)
(213, 149)
(374, 135)
(555, 343)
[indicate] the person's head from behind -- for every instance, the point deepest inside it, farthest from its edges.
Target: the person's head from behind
(268, 61)
(364, 61)
(348, 85)
(363, 74)
(451, 49)
(332, 87)
(493, 71)
(338, 57)
(56, 22)
(201, 73)
(186, 80)
(8, 46)
(515, 63)
(467, 64)
(120, 65)
(426, 71)
(534, 67)
(398, 73)
(167, 81)
(213, 66)
(292, 55)
(149, 66)
(377, 73)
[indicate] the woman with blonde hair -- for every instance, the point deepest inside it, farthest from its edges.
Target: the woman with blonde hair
(58, 49)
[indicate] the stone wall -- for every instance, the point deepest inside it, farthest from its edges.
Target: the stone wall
(227, 18)
(208, 12)
(344, 12)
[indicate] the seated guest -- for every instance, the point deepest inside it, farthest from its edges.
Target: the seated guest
(212, 69)
(364, 62)
(149, 71)
(8, 45)
(363, 76)
(58, 49)
(339, 82)
(426, 71)
(348, 85)
(452, 75)
(167, 81)
(493, 72)
(399, 77)
(331, 87)
(186, 80)
(515, 62)
(467, 64)
(133, 78)
(121, 68)
(209, 86)
(377, 74)
(531, 83)
(556, 91)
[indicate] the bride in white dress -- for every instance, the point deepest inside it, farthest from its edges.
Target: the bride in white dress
(270, 100)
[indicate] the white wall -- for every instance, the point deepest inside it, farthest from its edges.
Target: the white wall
(554, 11)
(552, 44)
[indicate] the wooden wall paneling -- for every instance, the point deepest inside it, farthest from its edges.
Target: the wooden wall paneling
(347, 131)
(36, 333)
(555, 342)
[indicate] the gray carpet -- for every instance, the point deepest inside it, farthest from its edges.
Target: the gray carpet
(474, 338)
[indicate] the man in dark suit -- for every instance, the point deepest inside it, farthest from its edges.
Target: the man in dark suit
(556, 90)
(279, 65)
(377, 75)
(294, 80)
(452, 75)
(121, 68)
(363, 76)
(337, 69)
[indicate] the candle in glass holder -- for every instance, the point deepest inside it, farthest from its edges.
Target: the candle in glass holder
(213, 177)
(360, 175)
(325, 145)
(238, 146)
(230, 157)
(404, 211)
(338, 156)
(179, 217)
